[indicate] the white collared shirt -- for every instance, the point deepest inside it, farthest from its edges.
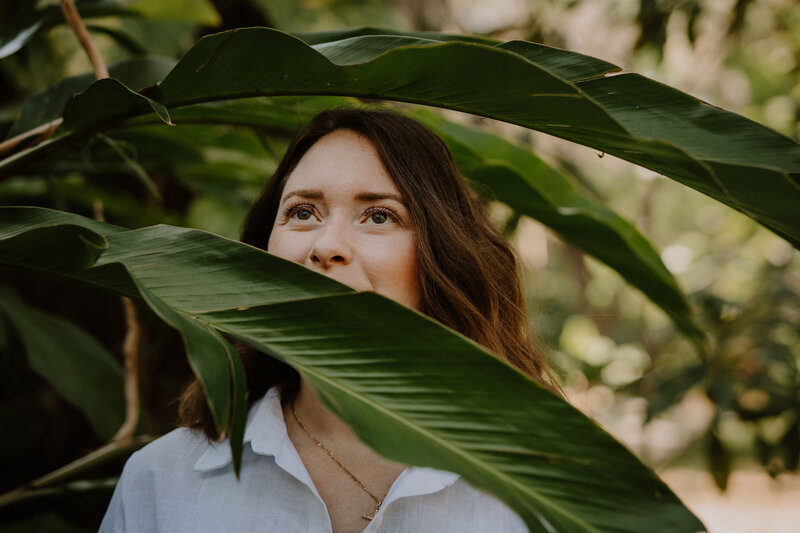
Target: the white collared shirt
(183, 483)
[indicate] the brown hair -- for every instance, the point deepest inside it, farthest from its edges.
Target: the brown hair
(468, 271)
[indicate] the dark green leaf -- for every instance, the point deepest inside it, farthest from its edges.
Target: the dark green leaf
(514, 175)
(318, 37)
(569, 65)
(526, 183)
(47, 105)
(81, 467)
(77, 366)
(112, 100)
(414, 390)
(629, 116)
(213, 361)
(732, 159)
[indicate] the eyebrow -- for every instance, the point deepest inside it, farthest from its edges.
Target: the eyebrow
(314, 194)
(374, 196)
(305, 193)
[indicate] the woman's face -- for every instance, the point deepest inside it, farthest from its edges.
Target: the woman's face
(341, 215)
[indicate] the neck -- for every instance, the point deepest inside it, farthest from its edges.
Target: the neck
(316, 417)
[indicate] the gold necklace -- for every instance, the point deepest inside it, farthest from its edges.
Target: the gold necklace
(378, 501)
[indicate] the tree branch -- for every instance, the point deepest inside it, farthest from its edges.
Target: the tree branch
(70, 471)
(130, 348)
(46, 130)
(100, 71)
(74, 20)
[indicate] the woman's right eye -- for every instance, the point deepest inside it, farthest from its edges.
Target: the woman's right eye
(300, 212)
(303, 214)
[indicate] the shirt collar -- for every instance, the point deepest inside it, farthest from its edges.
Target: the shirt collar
(266, 432)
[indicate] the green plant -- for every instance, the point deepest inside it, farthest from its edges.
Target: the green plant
(537, 457)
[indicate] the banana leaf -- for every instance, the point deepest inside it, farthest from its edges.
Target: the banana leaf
(415, 391)
(728, 157)
(510, 173)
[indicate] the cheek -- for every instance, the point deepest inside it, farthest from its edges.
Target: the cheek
(397, 270)
(287, 246)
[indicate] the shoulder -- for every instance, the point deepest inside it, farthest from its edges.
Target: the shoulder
(179, 448)
(471, 509)
(434, 500)
(165, 465)
(152, 479)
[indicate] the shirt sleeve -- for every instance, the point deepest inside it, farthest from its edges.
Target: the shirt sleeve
(114, 519)
(151, 493)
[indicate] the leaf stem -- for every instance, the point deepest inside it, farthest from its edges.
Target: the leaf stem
(100, 71)
(130, 350)
(74, 20)
(45, 130)
(108, 452)
(130, 347)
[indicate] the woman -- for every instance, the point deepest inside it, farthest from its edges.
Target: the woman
(373, 200)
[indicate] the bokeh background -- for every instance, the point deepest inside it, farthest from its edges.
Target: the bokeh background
(722, 430)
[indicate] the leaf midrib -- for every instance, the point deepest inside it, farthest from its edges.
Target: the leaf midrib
(464, 454)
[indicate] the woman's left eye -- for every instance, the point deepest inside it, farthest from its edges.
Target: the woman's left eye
(380, 215)
(379, 218)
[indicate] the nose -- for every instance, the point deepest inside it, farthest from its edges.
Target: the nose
(331, 247)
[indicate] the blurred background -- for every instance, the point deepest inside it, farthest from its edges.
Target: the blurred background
(722, 430)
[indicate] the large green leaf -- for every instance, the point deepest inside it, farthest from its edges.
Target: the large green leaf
(47, 105)
(730, 158)
(637, 119)
(529, 185)
(511, 173)
(75, 244)
(112, 100)
(414, 390)
(212, 359)
(79, 368)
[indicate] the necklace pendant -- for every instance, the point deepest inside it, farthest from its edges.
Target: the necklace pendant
(371, 516)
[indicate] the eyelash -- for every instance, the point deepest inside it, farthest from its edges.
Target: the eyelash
(380, 209)
(289, 211)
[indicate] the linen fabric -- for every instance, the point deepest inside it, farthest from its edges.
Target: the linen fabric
(184, 483)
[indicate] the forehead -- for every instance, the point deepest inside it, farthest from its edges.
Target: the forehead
(342, 159)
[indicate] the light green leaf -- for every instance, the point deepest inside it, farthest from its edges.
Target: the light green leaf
(200, 11)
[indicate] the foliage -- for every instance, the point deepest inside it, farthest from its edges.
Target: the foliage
(430, 397)
(205, 171)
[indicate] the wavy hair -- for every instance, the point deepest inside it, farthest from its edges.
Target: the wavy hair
(468, 273)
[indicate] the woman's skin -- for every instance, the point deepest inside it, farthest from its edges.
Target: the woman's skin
(342, 216)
